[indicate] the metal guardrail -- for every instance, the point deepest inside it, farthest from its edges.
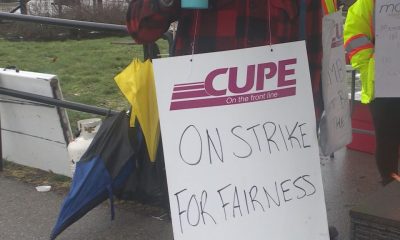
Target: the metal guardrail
(149, 52)
(57, 102)
(64, 22)
(47, 100)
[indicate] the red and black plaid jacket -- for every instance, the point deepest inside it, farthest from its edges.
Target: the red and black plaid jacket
(232, 24)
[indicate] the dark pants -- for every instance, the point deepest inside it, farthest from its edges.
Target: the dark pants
(386, 117)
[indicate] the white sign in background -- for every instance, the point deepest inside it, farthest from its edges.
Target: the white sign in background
(34, 134)
(335, 125)
(387, 48)
(242, 159)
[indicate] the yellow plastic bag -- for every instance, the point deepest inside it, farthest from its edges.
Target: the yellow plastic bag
(137, 84)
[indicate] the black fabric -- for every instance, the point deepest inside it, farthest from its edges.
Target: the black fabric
(109, 135)
(103, 169)
(386, 117)
(148, 184)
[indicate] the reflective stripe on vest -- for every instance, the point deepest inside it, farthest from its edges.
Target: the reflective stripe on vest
(357, 43)
(329, 6)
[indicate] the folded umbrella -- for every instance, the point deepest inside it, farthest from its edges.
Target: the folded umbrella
(102, 170)
(136, 82)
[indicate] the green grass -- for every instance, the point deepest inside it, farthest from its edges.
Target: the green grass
(36, 176)
(85, 68)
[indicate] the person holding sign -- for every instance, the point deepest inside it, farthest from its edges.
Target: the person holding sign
(359, 43)
(232, 24)
(219, 25)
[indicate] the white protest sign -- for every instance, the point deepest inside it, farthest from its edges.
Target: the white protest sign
(387, 48)
(240, 145)
(335, 125)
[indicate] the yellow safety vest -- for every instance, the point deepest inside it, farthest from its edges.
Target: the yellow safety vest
(359, 43)
(329, 6)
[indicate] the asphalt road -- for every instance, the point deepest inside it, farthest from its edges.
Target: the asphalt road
(27, 214)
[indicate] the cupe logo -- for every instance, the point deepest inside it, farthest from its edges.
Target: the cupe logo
(223, 86)
(337, 39)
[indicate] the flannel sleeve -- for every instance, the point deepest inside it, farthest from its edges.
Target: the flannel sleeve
(147, 20)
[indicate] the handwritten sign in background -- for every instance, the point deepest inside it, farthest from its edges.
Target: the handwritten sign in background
(335, 127)
(248, 170)
(387, 48)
